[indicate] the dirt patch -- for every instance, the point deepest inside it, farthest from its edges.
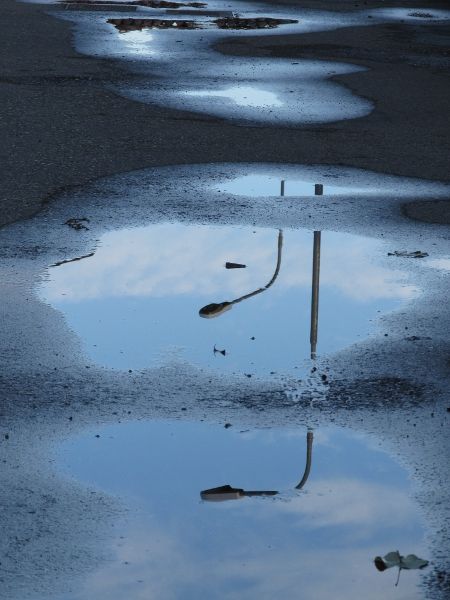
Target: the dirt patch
(260, 23)
(148, 3)
(124, 25)
(432, 211)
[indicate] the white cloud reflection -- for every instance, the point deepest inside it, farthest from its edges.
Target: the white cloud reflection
(168, 260)
(243, 96)
(347, 502)
(315, 544)
(186, 560)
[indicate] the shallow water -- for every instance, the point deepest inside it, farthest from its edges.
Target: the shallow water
(191, 75)
(262, 184)
(242, 96)
(318, 542)
(186, 72)
(135, 303)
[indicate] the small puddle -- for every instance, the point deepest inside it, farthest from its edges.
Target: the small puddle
(188, 73)
(260, 184)
(138, 300)
(321, 539)
(242, 96)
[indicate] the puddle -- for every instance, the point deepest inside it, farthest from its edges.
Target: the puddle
(138, 301)
(321, 541)
(443, 264)
(186, 72)
(180, 68)
(242, 96)
(259, 184)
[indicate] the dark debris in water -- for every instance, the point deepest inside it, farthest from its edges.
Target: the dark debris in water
(406, 254)
(70, 260)
(147, 3)
(259, 23)
(164, 4)
(77, 224)
(125, 25)
(421, 15)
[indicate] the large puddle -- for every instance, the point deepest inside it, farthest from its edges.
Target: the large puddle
(181, 68)
(246, 300)
(318, 541)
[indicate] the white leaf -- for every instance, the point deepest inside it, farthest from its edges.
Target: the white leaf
(413, 562)
(392, 559)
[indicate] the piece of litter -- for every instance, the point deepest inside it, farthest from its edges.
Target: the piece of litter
(77, 224)
(395, 559)
(406, 254)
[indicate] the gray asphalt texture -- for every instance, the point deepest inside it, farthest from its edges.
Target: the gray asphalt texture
(60, 127)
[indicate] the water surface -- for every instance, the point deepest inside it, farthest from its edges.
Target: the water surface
(318, 542)
(137, 301)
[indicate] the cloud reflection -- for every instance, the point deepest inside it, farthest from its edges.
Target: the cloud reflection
(172, 260)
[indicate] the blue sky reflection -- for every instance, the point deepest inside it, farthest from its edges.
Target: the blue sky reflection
(317, 543)
(135, 303)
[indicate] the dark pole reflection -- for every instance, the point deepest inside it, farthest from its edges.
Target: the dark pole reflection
(215, 309)
(227, 492)
(315, 284)
(309, 443)
(315, 293)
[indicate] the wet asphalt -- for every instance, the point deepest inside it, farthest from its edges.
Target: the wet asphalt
(61, 129)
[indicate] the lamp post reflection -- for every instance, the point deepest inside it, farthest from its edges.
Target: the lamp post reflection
(315, 284)
(216, 309)
(227, 492)
(315, 294)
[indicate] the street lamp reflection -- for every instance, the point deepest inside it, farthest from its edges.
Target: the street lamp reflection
(216, 309)
(227, 492)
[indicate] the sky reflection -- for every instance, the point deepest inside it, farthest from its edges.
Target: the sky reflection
(242, 96)
(317, 543)
(136, 301)
(269, 185)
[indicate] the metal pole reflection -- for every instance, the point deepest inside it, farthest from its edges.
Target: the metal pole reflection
(309, 443)
(318, 191)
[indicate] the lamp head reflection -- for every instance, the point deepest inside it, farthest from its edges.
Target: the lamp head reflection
(227, 492)
(214, 310)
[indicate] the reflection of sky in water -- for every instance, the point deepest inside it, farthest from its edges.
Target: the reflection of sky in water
(318, 543)
(269, 185)
(136, 301)
(242, 96)
(138, 42)
(440, 263)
